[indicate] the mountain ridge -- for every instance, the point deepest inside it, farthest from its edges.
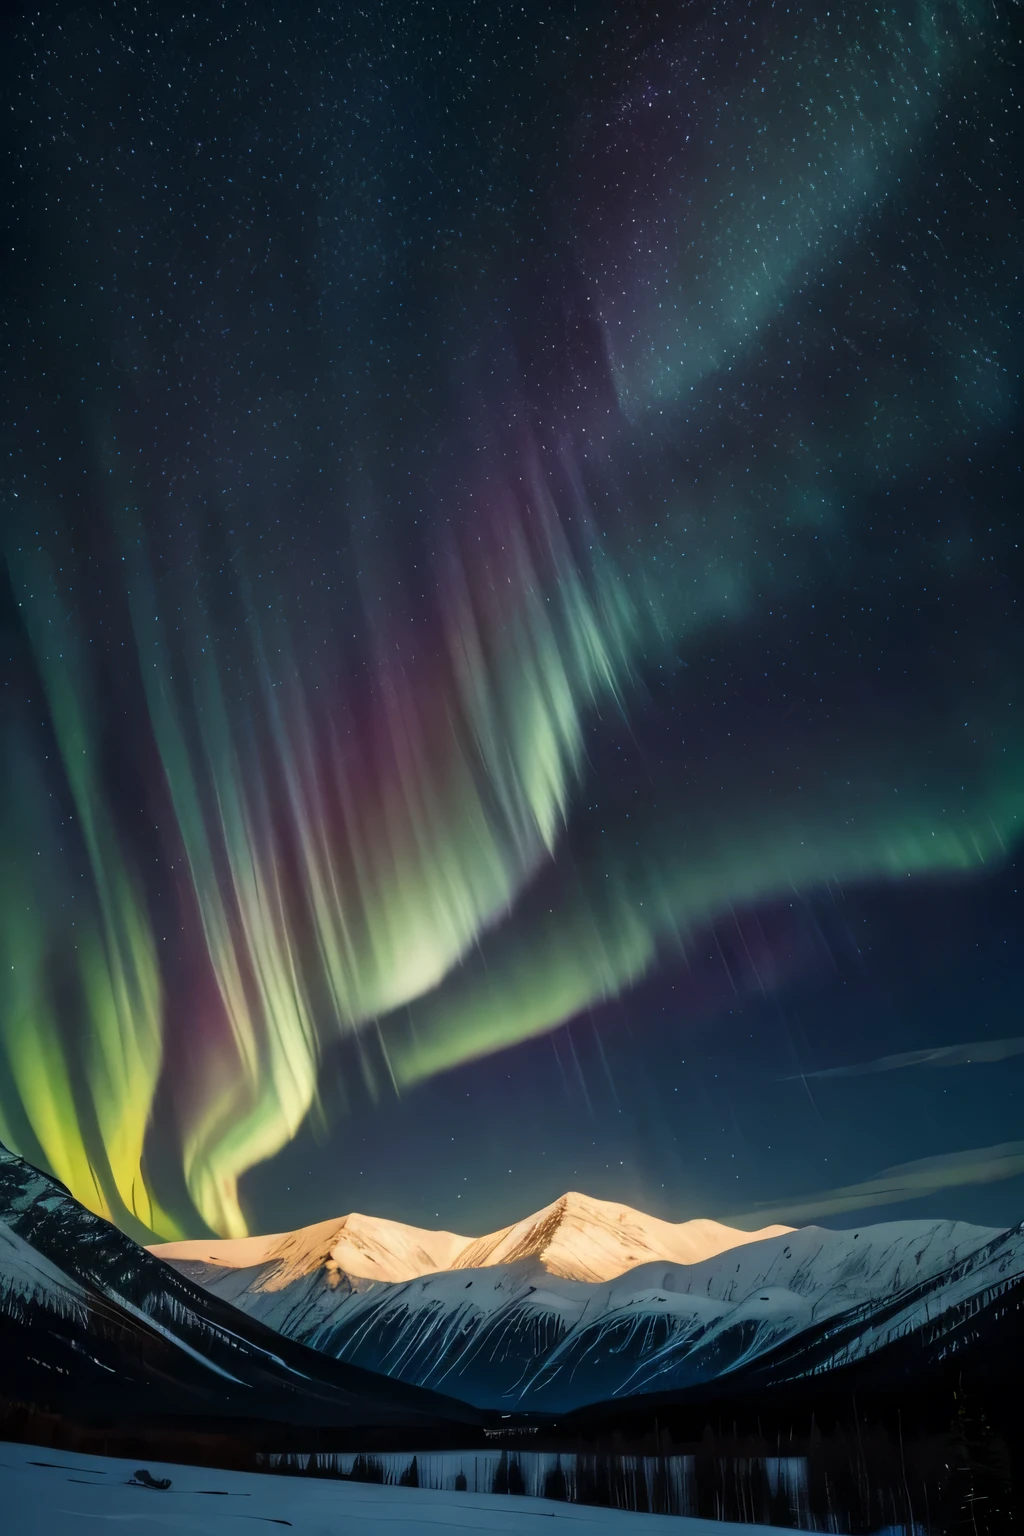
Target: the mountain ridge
(575, 1237)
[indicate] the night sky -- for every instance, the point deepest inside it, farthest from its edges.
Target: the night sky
(513, 652)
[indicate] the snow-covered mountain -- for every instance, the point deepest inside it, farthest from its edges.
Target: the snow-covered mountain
(571, 1307)
(575, 1238)
(92, 1324)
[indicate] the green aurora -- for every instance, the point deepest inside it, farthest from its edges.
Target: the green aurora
(301, 745)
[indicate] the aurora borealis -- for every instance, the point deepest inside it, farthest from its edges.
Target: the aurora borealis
(510, 513)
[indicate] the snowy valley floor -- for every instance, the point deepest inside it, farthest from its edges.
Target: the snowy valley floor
(48, 1493)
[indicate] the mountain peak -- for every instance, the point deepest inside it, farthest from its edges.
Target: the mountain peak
(358, 1246)
(579, 1237)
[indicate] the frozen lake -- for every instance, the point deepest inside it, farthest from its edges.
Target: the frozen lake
(45, 1492)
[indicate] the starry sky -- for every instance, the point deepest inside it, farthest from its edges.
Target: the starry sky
(514, 670)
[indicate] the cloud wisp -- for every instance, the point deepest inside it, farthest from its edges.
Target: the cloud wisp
(974, 1053)
(907, 1181)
